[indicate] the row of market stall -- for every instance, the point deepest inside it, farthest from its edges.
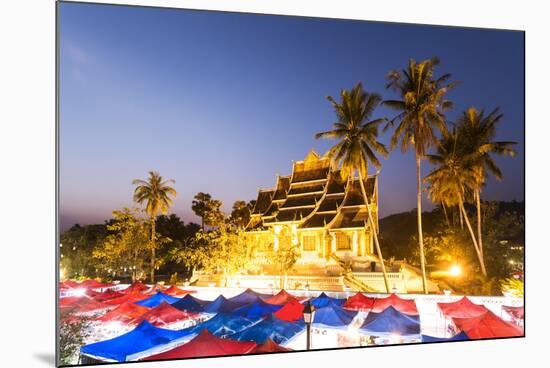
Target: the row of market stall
(155, 323)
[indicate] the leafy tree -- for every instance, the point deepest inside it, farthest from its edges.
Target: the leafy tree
(200, 205)
(77, 245)
(420, 110)
(223, 251)
(240, 214)
(213, 216)
(156, 194)
(516, 287)
(125, 249)
(357, 144)
(284, 257)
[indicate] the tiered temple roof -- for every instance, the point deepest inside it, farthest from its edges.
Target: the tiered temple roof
(313, 196)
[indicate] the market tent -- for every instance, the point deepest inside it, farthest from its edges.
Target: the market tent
(269, 347)
(177, 292)
(463, 308)
(223, 305)
(84, 304)
(407, 306)
(69, 284)
(124, 313)
(94, 284)
(205, 345)
(162, 315)
(487, 325)
(248, 296)
(107, 295)
(130, 297)
(142, 341)
(70, 300)
(333, 316)
(155, 289)
(270, 328)
(291, 311)
(359, 302)
(223, 324)
(190, 304)
(256, 309)
(391, 322)
(156, 300)
(282, 297)
(458, 337)
(517, 313)
(324, 300)
(136, 287)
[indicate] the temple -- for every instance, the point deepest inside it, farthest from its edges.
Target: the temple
(324, 220)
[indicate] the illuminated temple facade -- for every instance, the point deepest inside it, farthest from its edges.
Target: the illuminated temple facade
(317, 212)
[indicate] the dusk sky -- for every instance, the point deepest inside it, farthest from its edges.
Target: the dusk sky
(222, 102)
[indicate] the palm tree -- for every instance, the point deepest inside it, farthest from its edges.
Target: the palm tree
(453, 179)
(478, 131)
(156, 193)
(421, 106)
(358, 144)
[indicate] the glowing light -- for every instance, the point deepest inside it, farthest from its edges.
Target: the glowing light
(79, 292)
(455, 270)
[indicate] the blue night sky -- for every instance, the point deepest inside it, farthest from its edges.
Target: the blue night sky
(221, 102)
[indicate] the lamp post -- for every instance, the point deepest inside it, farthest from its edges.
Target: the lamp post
(309, 313)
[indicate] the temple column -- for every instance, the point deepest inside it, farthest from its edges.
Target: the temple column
(333, 243)
(354, 243)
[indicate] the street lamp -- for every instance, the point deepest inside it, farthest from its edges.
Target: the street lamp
(309, 313)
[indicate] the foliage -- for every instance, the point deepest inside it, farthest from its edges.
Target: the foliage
(240, 213)
(516, 287)
(73, 331)
(222, 250)
(77, 245)
(124, 251)
(174, 279)
(286, 255)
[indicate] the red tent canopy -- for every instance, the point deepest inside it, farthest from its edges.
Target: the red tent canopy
(282, 297)
(291, 311)
(269, 346)
(463, 308)
(206, 345)
(487, 325)
(70, 301)
(359, 302)
(136, 287)
(162, 315)
(107, 295)
(124, 313)
(69, 284)
(156, 288)
(515, 312)
(177, 292)
(94, 284)
(131, 297)
(406, 306)
(84, 304)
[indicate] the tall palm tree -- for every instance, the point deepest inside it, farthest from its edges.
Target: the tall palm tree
(155, 193)
(478, 131)
(453, 179)
(420, 112)
(358, 144)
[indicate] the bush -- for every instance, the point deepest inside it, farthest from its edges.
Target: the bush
(73, 331)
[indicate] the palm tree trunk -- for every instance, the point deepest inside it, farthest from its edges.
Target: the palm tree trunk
(474, 240)
(446, 215)
(461, 218)
(374, 233)
(479, 235)
(419, 219)
(153, 236)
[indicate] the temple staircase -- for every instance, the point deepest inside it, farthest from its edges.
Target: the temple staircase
(349, 279)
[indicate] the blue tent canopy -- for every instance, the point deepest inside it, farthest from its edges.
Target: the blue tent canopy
(156, 300)
(190, 304)
(271, 328)
(222, 305)
(224, 324)
(324, 300)
(248, 296)
(142, 341)
(458, 337)
(333, 316)
(256, 309)
(391, 322)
